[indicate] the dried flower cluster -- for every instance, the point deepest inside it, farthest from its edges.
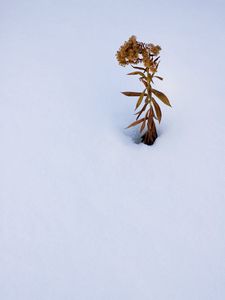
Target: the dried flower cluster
(134, 52)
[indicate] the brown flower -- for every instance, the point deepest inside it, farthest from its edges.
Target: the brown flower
(134, 52)
(155, 49)
(128, 52)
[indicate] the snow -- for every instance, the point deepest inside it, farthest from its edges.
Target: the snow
(85, 212)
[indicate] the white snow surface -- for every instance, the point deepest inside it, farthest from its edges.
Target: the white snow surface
(85, 212)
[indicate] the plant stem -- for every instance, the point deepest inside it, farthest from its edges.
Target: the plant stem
(149, 88)
(150, 136)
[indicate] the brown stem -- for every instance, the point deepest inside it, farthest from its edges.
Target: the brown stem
(151, 134)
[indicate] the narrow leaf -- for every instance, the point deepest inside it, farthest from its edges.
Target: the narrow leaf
(141, 111)
(140, 99)
(162, 97)
(131, 94)
(158, 77)
(143, 125)
(147, 113)
(139, 68)
(135, 123)
(157, 110)
(157, 65)
(137, 73)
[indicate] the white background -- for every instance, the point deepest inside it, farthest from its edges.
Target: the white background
(85, 212)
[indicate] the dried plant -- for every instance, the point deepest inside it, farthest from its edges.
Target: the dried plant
(132, 53)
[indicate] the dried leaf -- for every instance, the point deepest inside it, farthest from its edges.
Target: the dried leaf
(158, 77)
(147, 113)
(155, 60)
(157, 65)
(162, 97)
(144, 122)
(157, 110)
(141, 111)
(143, 125)
(139, 68)
(137, 73)
(140, 99)
(131, 94)
(135, 123)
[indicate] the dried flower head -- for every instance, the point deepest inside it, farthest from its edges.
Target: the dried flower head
(134, 52)
(128, 52)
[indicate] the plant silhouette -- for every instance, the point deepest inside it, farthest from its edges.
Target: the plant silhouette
(133, 53)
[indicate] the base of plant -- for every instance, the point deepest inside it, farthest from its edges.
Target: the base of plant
(150, 136)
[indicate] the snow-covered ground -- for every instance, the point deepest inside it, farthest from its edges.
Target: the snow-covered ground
(85, 213)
